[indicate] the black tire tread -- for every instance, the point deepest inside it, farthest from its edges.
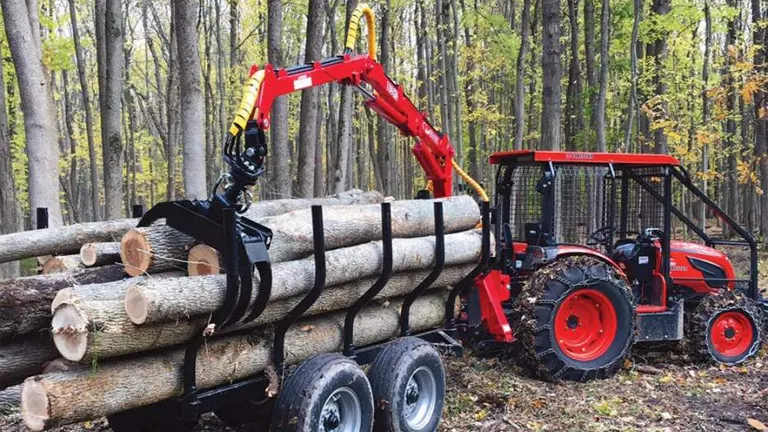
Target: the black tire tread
(383, 373)
(537, 302)
(288, 405)
(697, 325)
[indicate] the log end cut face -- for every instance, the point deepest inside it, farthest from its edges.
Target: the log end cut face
(136, 304)
(34, 404)
(71, 332)
(135, 253)
(203, 260)
(88, 254)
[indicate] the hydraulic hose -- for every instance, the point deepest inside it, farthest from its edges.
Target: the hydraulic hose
(354, 30)
(470, 181)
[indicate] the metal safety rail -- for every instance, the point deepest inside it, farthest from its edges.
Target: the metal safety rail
(194, 402)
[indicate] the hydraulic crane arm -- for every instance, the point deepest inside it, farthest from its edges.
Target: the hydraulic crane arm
(383, 95)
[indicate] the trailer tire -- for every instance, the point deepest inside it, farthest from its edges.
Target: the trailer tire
(143, 420)
(725, 328)
(327, 392)
(575, 319)
(408, 383)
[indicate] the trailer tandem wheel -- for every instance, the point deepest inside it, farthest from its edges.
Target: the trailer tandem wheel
(328, 392)
(408, 383)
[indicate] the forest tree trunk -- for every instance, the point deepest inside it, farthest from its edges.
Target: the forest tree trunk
(193, 118)
(39, 110)
(552, 73)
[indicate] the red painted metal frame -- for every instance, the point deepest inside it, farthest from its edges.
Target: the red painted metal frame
(433, 149)
(514, 156)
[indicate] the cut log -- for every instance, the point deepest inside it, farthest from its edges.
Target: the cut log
(152, 301)
(10, 398)
(96, 330)
(25, 302)
(23, 357)
(161, 248)
(63, 398)
(61, 264)
(60, 241)
(268, 208)
(99, 254)
(357, 224)
(103, 291)
(203, 260)
(151, 250)
(344, 226)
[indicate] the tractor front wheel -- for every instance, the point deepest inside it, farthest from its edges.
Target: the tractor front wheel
(725, 328)
(575, 319)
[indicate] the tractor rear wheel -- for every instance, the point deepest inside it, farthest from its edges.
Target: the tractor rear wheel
(725, 328)
(575, 320)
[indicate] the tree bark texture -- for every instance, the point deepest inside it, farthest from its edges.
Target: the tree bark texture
(605, 23)
(193, 118)
(161, 248)
(39, 110)
(25, 303)
(62, 398)
(61, 241)
(26, 356)
(100, 254)
(157, 300)
(310, 103)
(280, 181)
(520, 77)
(89, 331)
(95, 186)
(10, 220)
(110, 116)
(552, 70)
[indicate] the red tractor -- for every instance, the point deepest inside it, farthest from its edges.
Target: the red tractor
(592, 255)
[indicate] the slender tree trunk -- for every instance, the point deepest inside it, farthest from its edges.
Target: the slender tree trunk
(574, 118)
(279, 170)
(193, 120)
(458, 138)
(589, 57)
(628, 141)
(761, 121)
(85, 90)
(445, 115)
(552, 73)
(310, 99)
(39, 110)
(383, 132)
(659, 53)
(345, 124)
(110, 123)
(520, 76)
(705, 109)
(9, 209)
(604, 43)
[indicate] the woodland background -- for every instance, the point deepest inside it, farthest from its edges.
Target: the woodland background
(111, 103)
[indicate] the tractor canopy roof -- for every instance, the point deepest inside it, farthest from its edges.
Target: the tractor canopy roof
(515, 157)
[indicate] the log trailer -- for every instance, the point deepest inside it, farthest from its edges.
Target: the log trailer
(586, 262)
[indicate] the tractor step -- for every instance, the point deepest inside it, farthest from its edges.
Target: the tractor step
(661, 326)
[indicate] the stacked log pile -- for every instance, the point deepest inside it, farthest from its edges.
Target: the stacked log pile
(138, 326)
(75, 259)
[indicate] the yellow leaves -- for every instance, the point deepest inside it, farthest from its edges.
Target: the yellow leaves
(481, 415)
(666, 379)
(608, 407)
(750, 87)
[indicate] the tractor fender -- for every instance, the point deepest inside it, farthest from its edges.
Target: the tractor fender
(562, 251)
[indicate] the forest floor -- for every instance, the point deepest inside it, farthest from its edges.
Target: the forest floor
(658, 389)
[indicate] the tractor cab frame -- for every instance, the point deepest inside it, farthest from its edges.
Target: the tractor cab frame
(630, 211)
